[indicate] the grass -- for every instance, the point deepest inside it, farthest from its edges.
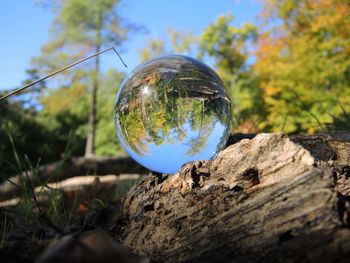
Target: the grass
(49, 211)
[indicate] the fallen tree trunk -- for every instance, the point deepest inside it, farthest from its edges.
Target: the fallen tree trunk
(79, 166)
(266, 198)
(88, 187)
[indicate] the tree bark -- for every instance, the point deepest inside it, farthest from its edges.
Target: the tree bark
(90, 140)
(265, 198)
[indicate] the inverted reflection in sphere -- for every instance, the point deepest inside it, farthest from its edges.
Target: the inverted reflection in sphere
(171, 110)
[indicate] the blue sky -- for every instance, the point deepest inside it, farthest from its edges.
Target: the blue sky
(24, 28)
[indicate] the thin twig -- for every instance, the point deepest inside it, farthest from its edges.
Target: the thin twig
(62, 69)
(42, 215)
(10, 181)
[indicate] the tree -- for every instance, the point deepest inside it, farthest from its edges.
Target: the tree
(106, 139)
(303, 64)
(24, 141)
(229, 46)
(17, 124)
(81, 27)
(177, 42)
(66, 109)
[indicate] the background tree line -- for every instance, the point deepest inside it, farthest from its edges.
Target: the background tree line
(290, 72)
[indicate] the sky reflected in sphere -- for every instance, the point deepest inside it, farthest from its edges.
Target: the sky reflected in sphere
(171, 110)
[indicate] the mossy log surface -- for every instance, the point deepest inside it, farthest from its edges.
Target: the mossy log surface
(265, 198)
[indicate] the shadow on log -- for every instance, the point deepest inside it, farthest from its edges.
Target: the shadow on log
(265, 198)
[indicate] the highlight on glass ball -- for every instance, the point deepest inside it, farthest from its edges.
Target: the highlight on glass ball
(171, 110)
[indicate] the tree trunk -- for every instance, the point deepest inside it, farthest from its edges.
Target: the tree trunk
(265, 198)
(90, 141)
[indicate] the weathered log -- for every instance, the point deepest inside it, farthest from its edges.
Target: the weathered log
(79, 166)
(267, 198)
(88, 186)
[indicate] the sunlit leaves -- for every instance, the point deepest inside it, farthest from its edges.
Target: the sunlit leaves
(180, 42)
(229, 46)
(303, 63)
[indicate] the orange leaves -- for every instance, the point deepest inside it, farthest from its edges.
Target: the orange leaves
(152, 79)
(302, 62)
(63, 99)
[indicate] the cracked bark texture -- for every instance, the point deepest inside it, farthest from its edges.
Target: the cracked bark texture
(266, 197)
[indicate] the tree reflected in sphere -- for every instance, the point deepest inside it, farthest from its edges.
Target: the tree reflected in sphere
(171, 110)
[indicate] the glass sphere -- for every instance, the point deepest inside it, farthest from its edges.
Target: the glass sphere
(171, 110)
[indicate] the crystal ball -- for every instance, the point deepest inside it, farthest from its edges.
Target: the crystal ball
(171, 110)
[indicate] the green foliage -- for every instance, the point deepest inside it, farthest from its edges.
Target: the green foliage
(298, 80)
(79, 28)
(41, 139)
(106, 139)
(228, 45)
(303, 64)
(66, 109)
(154, 48)
(27, 133)
(179, 43)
